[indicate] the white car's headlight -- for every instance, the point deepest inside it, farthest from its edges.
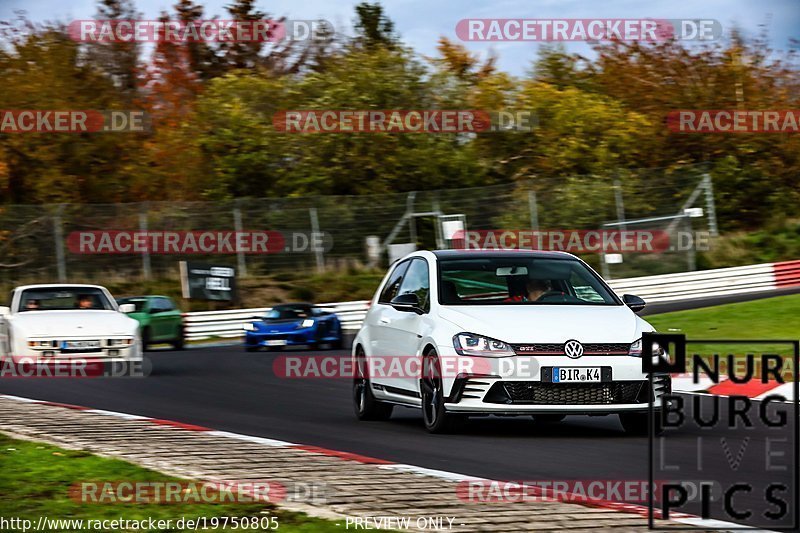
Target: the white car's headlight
(249, 326)
(307, 323)
(658, 351)
(477, 345)
(120, 342)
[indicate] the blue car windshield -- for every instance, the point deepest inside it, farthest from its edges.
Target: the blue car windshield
(285, 312)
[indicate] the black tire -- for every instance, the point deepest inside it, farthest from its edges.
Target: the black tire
(338, 344)
(146, 339)
(365, 405)
(178, 343)
(434, 415)
(548, 419)
(638, 423)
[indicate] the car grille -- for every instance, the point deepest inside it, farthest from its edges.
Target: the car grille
(596, 348)
(537, 392)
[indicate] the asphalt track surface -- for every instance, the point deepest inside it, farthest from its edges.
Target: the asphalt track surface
(228, 389)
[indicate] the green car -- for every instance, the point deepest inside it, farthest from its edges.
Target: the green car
(159, 318)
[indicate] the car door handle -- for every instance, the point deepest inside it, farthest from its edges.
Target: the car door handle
(384, 320)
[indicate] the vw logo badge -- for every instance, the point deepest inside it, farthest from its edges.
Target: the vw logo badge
(573, 349)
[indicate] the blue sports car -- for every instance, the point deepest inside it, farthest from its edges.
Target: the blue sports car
(293, 325)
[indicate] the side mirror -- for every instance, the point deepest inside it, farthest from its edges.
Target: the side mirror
(127, 308)
(408, 303)
(634, 302)
(5, 311)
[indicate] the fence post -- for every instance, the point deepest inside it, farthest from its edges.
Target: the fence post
(237, 226)
(618, 200)
(58, 237)
(711, 209)
(145, 251)
(534, 210)
(320, 260)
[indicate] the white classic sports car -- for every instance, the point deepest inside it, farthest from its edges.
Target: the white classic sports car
(465, 333)
(67, 322)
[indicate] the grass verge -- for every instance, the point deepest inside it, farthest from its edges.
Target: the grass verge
(35, 480)
(767, 319)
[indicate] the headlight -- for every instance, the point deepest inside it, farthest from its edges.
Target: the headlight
(249, 326)
(658, 351)
(43, 344)
(307, 323)
(120, 342)
(469, 344)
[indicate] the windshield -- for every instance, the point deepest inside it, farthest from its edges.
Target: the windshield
(520, 281)
(287, 312)
(62, 298)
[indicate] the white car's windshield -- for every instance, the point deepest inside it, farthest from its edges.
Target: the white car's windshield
(62, 298)
(519, 281)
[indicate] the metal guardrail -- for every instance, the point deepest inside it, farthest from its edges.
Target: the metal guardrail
(230, 324)
(663, 288)
(699, 285)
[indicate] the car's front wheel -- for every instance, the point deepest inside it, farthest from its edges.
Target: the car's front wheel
(434, 414)
(364, 403)
(639, 424)
(146, 339)
(179, 342)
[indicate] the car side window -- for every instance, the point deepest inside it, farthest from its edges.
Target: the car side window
(417, 281)
(393, 283)
(166, 304)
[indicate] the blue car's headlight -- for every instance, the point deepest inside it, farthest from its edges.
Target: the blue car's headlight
(307, 323)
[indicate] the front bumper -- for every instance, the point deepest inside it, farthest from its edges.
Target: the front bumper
(52, 350)
(296, 337)
(522, 385)
(486, 395)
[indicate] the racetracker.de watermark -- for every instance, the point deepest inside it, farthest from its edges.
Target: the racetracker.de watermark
(177, 492)
(570, 491)
(594, 30)
(402, 367)
(73, 121)
(734, 121)
(71, 368)
(197, 242)
(581, 241)
(212, 30)
(403, 121)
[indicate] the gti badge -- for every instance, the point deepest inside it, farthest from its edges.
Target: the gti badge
(573, 349)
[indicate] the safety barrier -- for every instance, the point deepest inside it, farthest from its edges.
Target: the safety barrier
(229, 324)
(663, 288)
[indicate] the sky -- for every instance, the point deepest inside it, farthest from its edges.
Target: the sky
(420, 23)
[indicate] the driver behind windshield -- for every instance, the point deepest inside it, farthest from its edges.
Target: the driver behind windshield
(85, 301)
(32, 304)
(534, 289)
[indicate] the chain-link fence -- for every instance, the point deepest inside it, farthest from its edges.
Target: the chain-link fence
(37, 241)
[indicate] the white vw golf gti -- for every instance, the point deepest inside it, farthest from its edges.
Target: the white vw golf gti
(475, 333)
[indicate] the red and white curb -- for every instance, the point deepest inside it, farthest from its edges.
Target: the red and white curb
(640, 510)
(753, 388)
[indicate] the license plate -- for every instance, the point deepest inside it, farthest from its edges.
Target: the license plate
(276, 342)
(576, 375)
(80, 345)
